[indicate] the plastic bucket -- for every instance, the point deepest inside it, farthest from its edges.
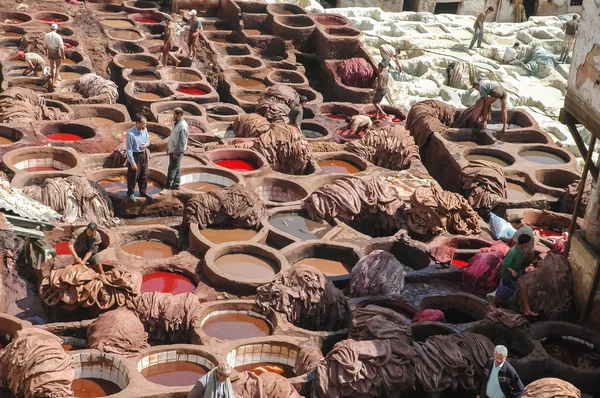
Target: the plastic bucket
(506, 289)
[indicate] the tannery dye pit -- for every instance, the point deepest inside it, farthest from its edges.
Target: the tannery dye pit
(299, 226)
(224, 235)
(338, 166)
(117, 185)
(172, 374)
(328, 267)
(164, 282)
(235, 326)
(93, 387)
(236, 165)
(572, 352)
(246, 266)
(151, 250)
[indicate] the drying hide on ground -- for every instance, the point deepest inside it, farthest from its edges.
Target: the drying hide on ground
(434, 210)
(118, 332)
(507, 318)
(309, 357)
(549, 287)
(482, 275)
(368, 204)
(391, 147)
(285, 148)
(550, 387)
(235, 206)
(453, 361)
(33, 42)
(80, 286)
(167, 318)
(461, 75)
(356, 72)
(484, 184)
(265, 385)
(97, 89)
(471, 117)
(428, 117)
(377, 274)
(250, 125)
(22, 105)
(567, 200)
(78, 199)
(275, 103)
(306, 297)
(35, 365)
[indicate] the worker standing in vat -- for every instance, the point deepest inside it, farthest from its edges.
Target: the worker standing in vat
(169, 41)
(178, 141)
(570, 35)
(297, 112)
(35, 63)
(491, 92)
(195, 29)
(478, 28)
(512, 55)
(85, 244)
(214, 384)
(136, 143)
(500, 380)
(55, 49)
(381, 84)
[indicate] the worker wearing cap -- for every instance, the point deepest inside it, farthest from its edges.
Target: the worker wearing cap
(178, 140)
(195, 29)
(85, 244)
(522, 229)
(214, 384)
(35, 62)
(55, 49)
(297, 112)
(169, 41)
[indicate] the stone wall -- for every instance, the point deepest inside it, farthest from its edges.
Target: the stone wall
(584, 261)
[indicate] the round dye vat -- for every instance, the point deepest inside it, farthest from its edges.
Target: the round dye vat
(64, 137)
(172, 374)
(6, 140)
(335, 116)
(148, 96)
(118, 23)
(62, 248)
(234, 326)
(68, 45)
(201, 186)
(459, 263)
(39, 168)
(328, 267)
(162, 162)
(70, 75)
(542, 157)
(167, 282)
(236, 165)
(223, 235)
(151, 250)
(312, 134)
(571, 352)
(97, 119)
(191, 91)
(125, 34)
(487, 158)
(136, 64)
(143, 77)
(147, 20)
(52, 19)
(338, 167)
(93, 387)
(547, 233)
(118, 186)
(155, 137)
(246, 266)
(249, 97)
(498, 126)
(254, 84)
(68, 61)
(301, 227)
(517, 192)
(262, 367)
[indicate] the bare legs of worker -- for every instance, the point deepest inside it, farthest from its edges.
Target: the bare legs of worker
(504, 114)
(166, 54)
(379, 110)
(524, 298)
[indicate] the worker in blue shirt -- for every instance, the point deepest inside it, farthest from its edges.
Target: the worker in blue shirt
(491, 92)
(136, 145)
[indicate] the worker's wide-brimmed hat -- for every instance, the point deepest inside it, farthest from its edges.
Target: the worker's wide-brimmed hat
(224, 368)
(515, 218)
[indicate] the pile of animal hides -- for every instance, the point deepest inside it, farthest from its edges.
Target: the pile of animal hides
(118, 332)
(275, 103)
(428, 117)
(97, 89)
(377, 274)
(22, 105)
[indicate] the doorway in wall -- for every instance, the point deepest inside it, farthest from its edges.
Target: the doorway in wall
(531, 7)
(447, 8)
(410, 5)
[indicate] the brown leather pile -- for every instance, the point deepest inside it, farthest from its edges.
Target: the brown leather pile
(550, 387)
(307, 299)
(377, 274)
(96, 89)
(118, 332)
(471, 118)
(235, 206)
(22, 105)
(428, 117)
(391, 147)
(356, 72)
(285, 148)
(250, 125)
(567, 200)
(276, 102)
(484, 184)
(265, 385)
(434, 210)
(308, 358)
(80, 286)
(35, 365)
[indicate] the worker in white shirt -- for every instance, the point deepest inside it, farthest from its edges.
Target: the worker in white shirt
(35, 63)
(512, 55)
(56, 52)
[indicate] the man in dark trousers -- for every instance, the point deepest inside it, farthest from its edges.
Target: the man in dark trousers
(85, 244)
(136, 143)
(499, 379)
(297, 112)
(569, 40)
(177, 144)
(478, 28)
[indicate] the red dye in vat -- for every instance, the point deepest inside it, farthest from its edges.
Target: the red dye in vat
(67, 45)
(459, 263)
(52, 19)
(64, 137)
(167, 282)
(388, 118)
(147, 20)
(191, 91)
(62, 248)
(334, 116)
(547, 233)
(13, 21)
(236, 165)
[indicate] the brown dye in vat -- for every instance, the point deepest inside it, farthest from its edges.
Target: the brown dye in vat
(97, 119)
(156, 41)
(284, 370)
(201, 186)
(6, 140)
(148, 96)
(11, 34)
(162, 162)
(542, 157)
(301, 227)
(572, 353)
(253, 32)
(118, 23)
(223, 235)
(254, 84)
(125, 34)
(136, 64)
(235, 326)
(151, 250)
(68, 61)
(487, 158)
(466, 143)
(338, 166)
(249, 97)
(328, 267)
(179, 373)
(242, 66)
(94, 388)
(246, 266)
(517, 192)
(70, 75)
(117, 185)
(145, 77)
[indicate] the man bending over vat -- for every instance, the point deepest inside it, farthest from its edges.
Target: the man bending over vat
(214, 384)
(84, 246)
(491, 92)
(357, 125)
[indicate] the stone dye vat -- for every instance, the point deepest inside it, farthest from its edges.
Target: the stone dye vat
(335, 260)
(31, 160)
(161, 162)
(167, 282)
(218, 235)
(277, 191)
(180, 367)
(99, 375)
(299, 225)
(207, 181)
(274, 356)
(240, 160)
(236, 324)
(117, 185)
(151, 249)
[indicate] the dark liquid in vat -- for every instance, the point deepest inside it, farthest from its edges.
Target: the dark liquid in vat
(542, 157)
(118, 185)
(572, 353)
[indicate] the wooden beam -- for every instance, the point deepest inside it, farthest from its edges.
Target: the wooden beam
(583, 113)
(570, 121)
